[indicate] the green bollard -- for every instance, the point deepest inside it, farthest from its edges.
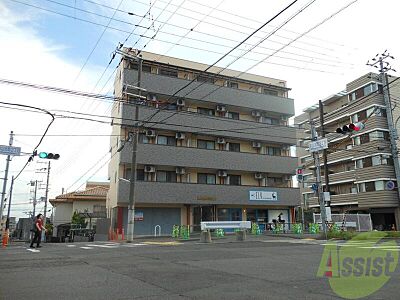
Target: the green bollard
(297, 228)
(175, 231)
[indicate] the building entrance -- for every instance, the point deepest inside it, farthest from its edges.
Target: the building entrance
(203, 213)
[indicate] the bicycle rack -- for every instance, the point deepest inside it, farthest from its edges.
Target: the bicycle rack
(155, 230)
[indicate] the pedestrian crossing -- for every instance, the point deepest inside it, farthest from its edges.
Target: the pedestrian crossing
(109, 245)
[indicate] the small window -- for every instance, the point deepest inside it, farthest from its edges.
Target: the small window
(376, 160)
(370, 186)
(203, 178)
(367, 162)
(166, 140)
(205, 111)
(359, 164)
(205, 78)
(202, 144)
(143, 139)
(140, 174)
(234, 85)
(166, 176)
(233, 115)
(379, 185)
(270, 92)
(357, 141)
(168, 72)
(234, 147)
(234, 180)
(364, 138)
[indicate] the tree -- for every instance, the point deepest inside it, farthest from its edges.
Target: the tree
(77, 219)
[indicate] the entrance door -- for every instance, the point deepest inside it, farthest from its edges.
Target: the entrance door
(202, 213)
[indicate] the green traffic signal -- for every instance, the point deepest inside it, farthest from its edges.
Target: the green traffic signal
(43, 154)
(49, 155)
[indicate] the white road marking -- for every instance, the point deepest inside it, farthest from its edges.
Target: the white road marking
(71, 245)
(104, 246)
(86, 248)
(133, 245)
(33, 250)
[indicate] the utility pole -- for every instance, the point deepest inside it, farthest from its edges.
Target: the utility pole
(9, 205)
(324, 152)
(3, 194)
(134, 138)
(380, 59)
(314, 137)
(34, 198)
(45, 203)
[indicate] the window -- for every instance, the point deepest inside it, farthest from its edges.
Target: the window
(367, 162)
(376, 160)
(205, 78)
(275, 181)
(379, 185)
(359, 164)
(268, 120)
(379, 135)
(168, 72)
(234, 179)
(139, 174)
(143, 139)
(233, 115)
(270, 92)
(145, 67)
(364, 138)
(166, 176)
(203, 178)
(166, 140)
(205, 111)
(357, 141)
(202, 144)
(369, 186)
(273, 151)
(231, 84)
(235, 147)
(380, 112)
(99, 208)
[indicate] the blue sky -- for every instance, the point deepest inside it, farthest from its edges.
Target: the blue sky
(44, 48)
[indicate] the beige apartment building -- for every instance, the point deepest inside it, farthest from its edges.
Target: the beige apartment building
(360, 165)
(216, 150)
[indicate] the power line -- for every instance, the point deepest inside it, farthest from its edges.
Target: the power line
(97, 42)
(229, 52)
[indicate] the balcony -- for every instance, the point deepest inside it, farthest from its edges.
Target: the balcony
(205, 194)
(212, 93)
(213, 126)
(151, 154)
(377, 199)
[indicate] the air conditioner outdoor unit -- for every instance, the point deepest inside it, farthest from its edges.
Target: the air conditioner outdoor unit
(222, 173)
(149, 169)
(180, 136)
(150, 133)
(259, 176)
(220, 108)
(180, 170)
(221, 140)
(256, 113)
(180, 102)
(256, 144)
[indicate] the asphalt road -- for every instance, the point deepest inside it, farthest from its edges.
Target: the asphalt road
(265, 268)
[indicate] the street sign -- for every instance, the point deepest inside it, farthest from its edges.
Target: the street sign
(10, 150)
(314, 187)
(390, 185)
(318, 145)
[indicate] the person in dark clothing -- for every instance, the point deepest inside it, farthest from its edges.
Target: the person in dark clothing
(38, 227)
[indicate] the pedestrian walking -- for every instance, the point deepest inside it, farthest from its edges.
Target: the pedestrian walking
(37, 229)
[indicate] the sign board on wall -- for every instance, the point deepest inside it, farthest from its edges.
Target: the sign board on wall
(263, 196)
(138, 216)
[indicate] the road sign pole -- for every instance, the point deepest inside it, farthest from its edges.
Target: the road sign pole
(3, 194)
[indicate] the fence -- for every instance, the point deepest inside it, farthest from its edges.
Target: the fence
(358, 222)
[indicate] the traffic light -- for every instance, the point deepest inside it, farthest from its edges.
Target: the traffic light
(350, 128)
(47, 155)
(299, 174)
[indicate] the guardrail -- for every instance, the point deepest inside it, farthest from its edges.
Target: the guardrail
(225, 225)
